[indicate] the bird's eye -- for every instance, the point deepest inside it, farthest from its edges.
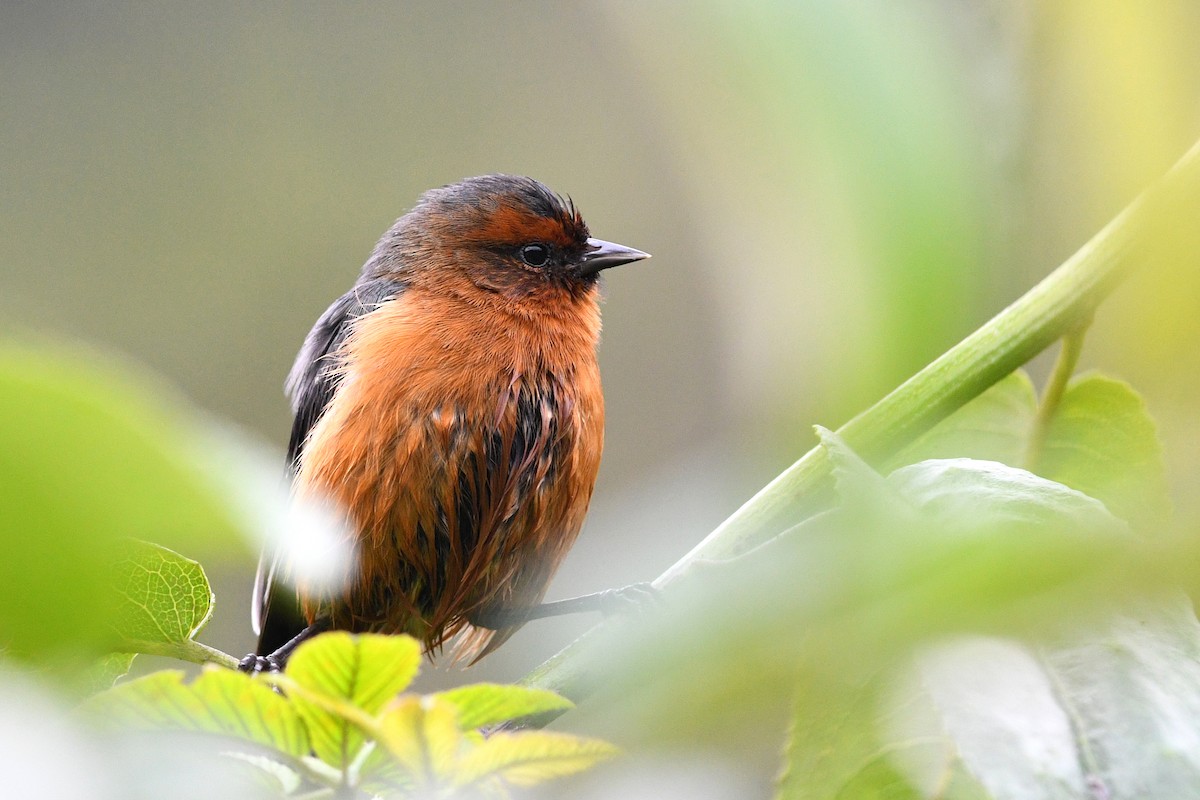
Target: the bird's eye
(535, 255)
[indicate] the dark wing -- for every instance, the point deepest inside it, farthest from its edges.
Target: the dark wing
(275, 614)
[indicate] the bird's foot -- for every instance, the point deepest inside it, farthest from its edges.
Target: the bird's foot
(254, 664)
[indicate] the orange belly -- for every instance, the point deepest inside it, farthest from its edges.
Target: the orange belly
(463, 444)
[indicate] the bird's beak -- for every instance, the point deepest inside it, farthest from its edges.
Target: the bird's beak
(602, 255)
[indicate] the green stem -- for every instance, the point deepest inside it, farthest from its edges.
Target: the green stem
(1063, 301)
(1060, 376)
(191, 651)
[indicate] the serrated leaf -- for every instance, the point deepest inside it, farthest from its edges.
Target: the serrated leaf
(483, 704)
(422, 734)
(365, 670)
(992, 427)
(528, 757)
(164, 597)
(219, 701)
(1103, 442)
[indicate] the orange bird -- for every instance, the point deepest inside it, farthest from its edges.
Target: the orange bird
(450, 405)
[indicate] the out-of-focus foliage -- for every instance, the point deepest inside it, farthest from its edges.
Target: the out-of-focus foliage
(939, 547)
(829, 612)
(94, 452)
(1107, 709)
(1102, 442)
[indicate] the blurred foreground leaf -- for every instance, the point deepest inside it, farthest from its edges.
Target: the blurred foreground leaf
(51, 752)
(1132, 690)
(92, 452)
(940, 547)
(1109, 714)
(833, 751)
(999, 715)
(1108, 711)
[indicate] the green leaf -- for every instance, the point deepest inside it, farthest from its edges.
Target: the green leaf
(380, 773)
(1002, 711)
(992, 427)
(365, 671)
(1103, 442)
(832, 743)
(275, 777)
(423, 735)
(484, 704)
(107, 670)
(964, 494)
(843, 744)
(164, 597)
(219, 701)
(1132, 689)
(1100, 440)
(528, 757)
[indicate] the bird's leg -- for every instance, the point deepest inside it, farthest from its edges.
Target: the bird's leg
(275, 662)
(608, 602)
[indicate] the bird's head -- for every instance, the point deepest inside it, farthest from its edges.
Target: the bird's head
(502, 234)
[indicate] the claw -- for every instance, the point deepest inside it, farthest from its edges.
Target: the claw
(254, 664)
(635, 598)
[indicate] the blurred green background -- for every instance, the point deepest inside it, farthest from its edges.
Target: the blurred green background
(833, 193)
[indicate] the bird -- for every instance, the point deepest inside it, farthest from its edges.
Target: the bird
(450, 406)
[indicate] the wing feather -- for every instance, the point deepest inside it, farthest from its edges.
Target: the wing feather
(310, 385)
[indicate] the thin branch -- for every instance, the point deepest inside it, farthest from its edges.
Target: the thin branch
(1060, 376)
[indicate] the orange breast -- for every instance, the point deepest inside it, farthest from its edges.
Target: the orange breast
(463, 443)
